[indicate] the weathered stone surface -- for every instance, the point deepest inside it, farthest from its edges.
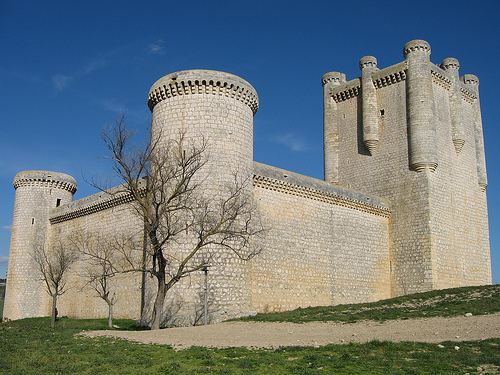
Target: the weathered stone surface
(402, 208)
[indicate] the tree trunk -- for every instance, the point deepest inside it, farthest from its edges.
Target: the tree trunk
(110, 315)
(54, 309)
(158, 306)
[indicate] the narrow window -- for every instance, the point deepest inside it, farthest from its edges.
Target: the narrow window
(382, 112)
(58, 202)
(32, 220)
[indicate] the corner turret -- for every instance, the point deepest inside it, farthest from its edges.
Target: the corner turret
(452, 66)
(420, 112)
(37, 192)
(368, 65)
(330, 126)
(472, 83)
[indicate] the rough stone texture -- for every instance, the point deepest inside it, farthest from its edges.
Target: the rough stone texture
(36, 193)
(82, 302)
(335, 249)
(404, 144)
(368, 64)
(439, 231)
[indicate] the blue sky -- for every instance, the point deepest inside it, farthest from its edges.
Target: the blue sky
(69, 68)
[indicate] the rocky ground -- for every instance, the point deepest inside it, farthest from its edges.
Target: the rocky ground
(273, 335)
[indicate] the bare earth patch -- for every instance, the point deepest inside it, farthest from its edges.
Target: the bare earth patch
(274, 335)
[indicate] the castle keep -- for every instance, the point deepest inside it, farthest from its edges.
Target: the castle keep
(402, 208)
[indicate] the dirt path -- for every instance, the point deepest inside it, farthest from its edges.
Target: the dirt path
(273, 335)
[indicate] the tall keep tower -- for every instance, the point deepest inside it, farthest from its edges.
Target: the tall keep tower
(218, 108)
(412, 133)
(36, 193)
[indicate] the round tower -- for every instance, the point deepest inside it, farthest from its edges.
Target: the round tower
(452, 66)
(215, 108)
(420, 110)
(368, 65)
(330, 126)
(36, 193)
(472, 83)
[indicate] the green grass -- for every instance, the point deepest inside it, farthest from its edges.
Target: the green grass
(30, 346)
(449, 302)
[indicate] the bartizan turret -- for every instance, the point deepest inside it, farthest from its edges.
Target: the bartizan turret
(420, 106)
(452, 66)
(330, 126)
(368, 65)
(472, 83)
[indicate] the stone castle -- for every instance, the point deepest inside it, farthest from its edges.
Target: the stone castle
(402, 208)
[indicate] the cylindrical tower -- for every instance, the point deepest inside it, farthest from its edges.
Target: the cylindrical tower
(368, 65)
(472, 83)
(36, 193)
(330, 126)
(452, 66)
(218, 108)
(420, 106)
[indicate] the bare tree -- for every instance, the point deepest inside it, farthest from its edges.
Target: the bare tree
(54, 263)
(100, 256)
(172, 203)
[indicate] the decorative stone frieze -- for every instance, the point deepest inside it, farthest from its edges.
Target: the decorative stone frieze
(193, 82)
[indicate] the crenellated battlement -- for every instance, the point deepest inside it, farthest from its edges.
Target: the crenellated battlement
(417, 45)
(390, 75)
(193, 82)
(286, 182)
(92, 204)
(45, 179)
(440, 78)
(346, 91)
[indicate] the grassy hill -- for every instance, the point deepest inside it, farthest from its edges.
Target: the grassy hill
(30, 346)
(448, 302)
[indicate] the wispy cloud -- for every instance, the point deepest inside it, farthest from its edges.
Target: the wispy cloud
(61, 81)
(94, 65)
(142, 115)
(4, 260)
(292, 141)
(7, 227)
(113, 105)
(156, 48)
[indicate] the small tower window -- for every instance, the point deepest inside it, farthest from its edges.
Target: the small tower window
(32, 220)
(58, 202)
(382, 112)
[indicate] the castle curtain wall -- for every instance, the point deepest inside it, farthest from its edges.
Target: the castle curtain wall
(113, 221)
(324, 246)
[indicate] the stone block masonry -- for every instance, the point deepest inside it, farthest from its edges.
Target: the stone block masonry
(402, 208)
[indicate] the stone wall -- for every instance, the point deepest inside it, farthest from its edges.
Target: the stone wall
(403, 208)
(326, 244)
(439, 231)
(115, 223)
